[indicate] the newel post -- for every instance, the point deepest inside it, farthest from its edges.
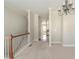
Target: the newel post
(10, 47)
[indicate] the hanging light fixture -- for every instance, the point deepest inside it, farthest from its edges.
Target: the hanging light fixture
(67, 7)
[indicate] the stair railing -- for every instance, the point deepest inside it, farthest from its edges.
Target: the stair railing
(11, 37)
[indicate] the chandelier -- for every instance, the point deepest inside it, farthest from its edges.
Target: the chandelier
(66, 9)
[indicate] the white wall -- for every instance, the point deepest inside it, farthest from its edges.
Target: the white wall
(36, 27)
(32, 26)
(69, 30)
(55, 27)
(62, 28)
(14, 24)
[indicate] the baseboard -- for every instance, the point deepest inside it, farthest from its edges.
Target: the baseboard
(68, 45)
(56, 42)
(22, 49)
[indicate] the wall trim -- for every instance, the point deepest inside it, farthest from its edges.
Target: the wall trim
(56, 42)
(22, 49)
(68, 45)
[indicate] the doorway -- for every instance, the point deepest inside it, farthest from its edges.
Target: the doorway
(44, 30)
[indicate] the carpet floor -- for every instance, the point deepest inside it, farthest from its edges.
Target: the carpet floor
(41, 50)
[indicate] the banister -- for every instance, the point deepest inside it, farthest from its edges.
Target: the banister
(10, 47)
(21, 35)
(10, 44)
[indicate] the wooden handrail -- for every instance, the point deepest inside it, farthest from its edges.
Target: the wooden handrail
(10, 44)
(20, 35)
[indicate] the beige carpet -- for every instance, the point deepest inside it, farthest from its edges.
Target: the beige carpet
(41, 50)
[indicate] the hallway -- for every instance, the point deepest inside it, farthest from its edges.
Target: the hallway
(49, 25)
(41, 50)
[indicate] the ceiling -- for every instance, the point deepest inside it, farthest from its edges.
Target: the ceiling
(36, 6)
